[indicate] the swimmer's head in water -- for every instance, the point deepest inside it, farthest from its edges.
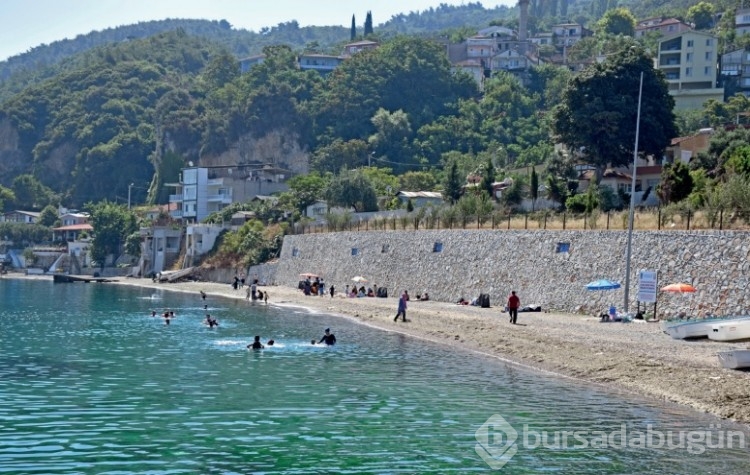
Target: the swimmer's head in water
(270, 343)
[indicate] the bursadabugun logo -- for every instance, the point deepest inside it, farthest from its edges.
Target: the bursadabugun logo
(496, 440)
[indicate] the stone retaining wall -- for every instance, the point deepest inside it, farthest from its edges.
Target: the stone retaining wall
(533, 263)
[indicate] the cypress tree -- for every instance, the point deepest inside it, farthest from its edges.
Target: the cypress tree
(489, 178)
(534, 187)
(452, 185)
(368, 24)
(354, 29)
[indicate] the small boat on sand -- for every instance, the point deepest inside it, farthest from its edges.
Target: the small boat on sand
(699, 328)
(730, 331)
(734, 359)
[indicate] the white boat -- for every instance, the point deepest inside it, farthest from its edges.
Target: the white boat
(699, 328)
(735, 359)
(730, 331)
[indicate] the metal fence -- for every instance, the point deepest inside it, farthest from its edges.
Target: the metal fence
(643, 219)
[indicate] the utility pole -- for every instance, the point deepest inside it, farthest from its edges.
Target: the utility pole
(130, 186)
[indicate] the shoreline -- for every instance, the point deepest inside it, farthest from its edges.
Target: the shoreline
(637, 358)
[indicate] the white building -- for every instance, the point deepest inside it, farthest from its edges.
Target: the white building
(689, 62)
(197, 195)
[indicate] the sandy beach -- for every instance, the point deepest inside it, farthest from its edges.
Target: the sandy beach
(635, 357)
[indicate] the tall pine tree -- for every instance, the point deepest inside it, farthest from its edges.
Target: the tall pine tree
(489, 178)
(534, 187)
(354, 29)
(368, 24)
(452, 185)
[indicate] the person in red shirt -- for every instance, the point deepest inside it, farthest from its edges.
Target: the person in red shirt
(513, 303)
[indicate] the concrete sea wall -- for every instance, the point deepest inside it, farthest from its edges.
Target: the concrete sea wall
(548, 268)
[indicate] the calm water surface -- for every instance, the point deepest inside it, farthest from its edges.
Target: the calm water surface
(90, 383)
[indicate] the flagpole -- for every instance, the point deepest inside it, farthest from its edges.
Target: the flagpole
(632, 198)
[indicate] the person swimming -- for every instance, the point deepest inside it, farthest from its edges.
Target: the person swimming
(270, 343)
(210, 321)
(328, 338)
(256, 345)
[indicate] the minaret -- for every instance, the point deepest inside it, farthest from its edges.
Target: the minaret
(523, 19)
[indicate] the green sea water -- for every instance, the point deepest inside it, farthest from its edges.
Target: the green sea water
(90, 383)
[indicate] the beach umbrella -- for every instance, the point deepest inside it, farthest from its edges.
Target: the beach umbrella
(359, 279)
(603, 284)
(679, 287)
(309, 275)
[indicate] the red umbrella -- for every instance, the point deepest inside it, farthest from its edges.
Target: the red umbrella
(679, 287)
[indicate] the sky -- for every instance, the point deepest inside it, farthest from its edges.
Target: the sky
(30, 23)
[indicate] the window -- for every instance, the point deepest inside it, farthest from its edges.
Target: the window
(689, 57)
(688, 72)
(708, 42)
(355, 251)
(295, 252)
(707, 71)
(437, 247)
(709, 55)
(562, 247)
(690, 43)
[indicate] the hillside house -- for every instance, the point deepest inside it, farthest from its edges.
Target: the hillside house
(25, 217)
(661, 25)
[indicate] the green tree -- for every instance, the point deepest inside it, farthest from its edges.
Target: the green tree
(392, 137)
(368, 24)
(112, 225)
(352, 188)
(701, 15)
(30, 192)
(488, 178)
(739, 161)
(48, 216)
(417, 181)
(534, 187)
(7, 198)
(676, 183)
(453, 184)
(382, 180)
(133, 245)
(340, 154)
(222, 69)
(600, 125)
(618, 21)
(353, 30)
(307, 189)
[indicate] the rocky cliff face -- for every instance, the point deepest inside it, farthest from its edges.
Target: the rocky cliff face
(13, 162)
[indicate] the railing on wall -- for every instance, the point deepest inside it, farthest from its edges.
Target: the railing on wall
(647, 219)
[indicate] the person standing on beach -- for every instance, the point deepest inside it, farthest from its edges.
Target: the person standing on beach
(332, 290)
(513, 303)
(402, 307)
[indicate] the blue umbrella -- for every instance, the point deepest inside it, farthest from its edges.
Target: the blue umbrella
(603, 284)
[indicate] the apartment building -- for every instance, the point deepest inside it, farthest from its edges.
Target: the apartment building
(689, 62)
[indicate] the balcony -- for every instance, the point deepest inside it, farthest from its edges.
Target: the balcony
(175, 198)
(220, 198)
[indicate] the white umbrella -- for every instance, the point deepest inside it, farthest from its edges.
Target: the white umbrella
(359, 278)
